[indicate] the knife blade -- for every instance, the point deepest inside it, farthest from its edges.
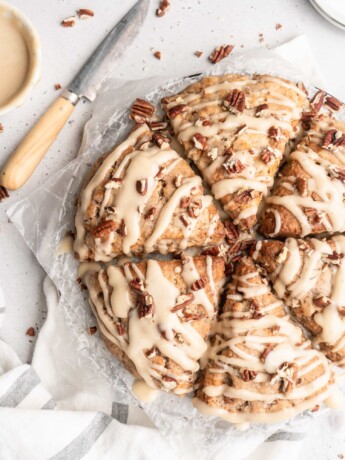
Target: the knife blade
(88, 81)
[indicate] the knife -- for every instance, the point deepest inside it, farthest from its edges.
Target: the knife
(86, 83)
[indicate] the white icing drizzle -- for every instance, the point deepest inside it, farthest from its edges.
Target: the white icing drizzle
(125, 204)
(164, 331)
(246, 339)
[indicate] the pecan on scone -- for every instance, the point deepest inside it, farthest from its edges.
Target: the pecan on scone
(310, 276)
(260, 367)
(235, 128)
(308, 196)
(155, 316)
(142, 198)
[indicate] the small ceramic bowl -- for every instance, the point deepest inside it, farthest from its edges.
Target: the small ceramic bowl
(34, 51)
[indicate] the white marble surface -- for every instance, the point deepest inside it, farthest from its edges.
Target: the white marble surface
(190, 25)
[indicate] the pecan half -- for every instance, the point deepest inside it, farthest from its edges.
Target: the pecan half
(163, 8)
(105, 228)
(235, 101)
(183, 301)
(267, 156)
(141, 111)
(317, 101)
(200, 141)
(177, 110)
(3, 193)
(198, 284)
(141, 186)
(220, 53)
(333, 103)
(247, 374)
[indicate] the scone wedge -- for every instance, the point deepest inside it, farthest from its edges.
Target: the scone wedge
(260, 367)
(308, 197)
(142, 198)
(235, 129)
(155, 316)
(310, 276)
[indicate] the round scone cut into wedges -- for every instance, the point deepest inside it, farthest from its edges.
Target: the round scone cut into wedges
(235, 128)
(155, 316)
(308, 197)
(260, 367)
(310, 276)
(142, 198)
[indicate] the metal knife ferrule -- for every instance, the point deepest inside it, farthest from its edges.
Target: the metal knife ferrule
(70, 96)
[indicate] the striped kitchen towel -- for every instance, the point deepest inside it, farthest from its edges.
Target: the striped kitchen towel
(58, 409)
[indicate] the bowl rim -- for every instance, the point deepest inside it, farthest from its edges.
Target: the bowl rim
(34, 48)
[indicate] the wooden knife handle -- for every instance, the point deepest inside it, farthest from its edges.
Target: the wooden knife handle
(35, 145)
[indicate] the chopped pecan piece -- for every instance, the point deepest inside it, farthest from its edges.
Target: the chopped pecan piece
(183, 301)
(278, 26)
(105, 228)
(269, 347)
(151, 352)
(275, 133)
(85, 13)
(160, 139)
(213, 251)
(57, 86)
(337, 173)
(200, 141)
(220, 53)
(233, 166)
(235, 101)
(232, 232)
(333, 138)
(244, 196)
(333, 103)
(287, 376)
(163, 8)
(141, 111)
(282, 255)
(122, 230)
(317, 101)
(177, 110)
(194, 209)
(307, 118)
(145, 305)
(321, 302)
(247, 374)
(150, 213)
(158, 55)
(254, 309)
(261, 108)
(68, 22)
(302, 186)
(1, 128)
(137, 285)
(30, 332)
(198, 53)
(168, 382)
(141, 186)
(92, 330)
(184, 220)
(267, 156)
(300, 85)
(3, 193)
(198, 284)
(114, 182)
(158, 125)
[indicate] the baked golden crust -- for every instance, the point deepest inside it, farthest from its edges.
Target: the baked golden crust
(308, 195)
(155, 316)
(235, 129)
(142, 198)
(260, 367)
(309, 275)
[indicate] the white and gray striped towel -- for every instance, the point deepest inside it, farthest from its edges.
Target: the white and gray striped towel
(57, 410)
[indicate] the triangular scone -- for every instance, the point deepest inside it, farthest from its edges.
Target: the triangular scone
(308, 197)
(155, 316)
(143, 197)
(310, 276)
(235, 129)
(260, 367)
